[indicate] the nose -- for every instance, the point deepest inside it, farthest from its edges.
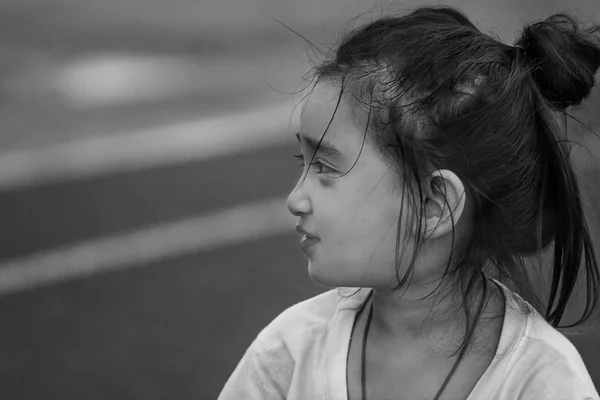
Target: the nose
(298, 202)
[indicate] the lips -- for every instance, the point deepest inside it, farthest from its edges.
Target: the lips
(307, 241)
(304, 232)
(307, 238)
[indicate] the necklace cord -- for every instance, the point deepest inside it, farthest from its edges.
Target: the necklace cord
(363, 369)
(463, 351)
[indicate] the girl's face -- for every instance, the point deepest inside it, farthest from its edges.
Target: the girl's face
(349, 198)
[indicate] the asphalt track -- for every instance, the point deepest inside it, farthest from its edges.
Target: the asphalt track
(171, 329)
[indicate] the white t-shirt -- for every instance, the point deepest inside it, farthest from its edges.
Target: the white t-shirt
(302, 355)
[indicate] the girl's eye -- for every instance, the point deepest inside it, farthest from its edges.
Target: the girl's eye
(319, 167)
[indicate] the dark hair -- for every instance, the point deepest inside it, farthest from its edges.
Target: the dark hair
(439, 93)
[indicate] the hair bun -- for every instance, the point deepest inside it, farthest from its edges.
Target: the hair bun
(565, 58)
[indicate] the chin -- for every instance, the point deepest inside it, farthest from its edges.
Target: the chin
(325, 278)
(320, 277)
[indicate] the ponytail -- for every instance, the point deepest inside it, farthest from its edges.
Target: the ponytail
(563, 60)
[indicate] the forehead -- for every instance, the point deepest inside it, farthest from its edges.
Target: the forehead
(324, 112)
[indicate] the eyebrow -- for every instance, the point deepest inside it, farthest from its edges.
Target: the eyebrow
(325, 147)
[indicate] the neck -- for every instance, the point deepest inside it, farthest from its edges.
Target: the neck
(411, 316)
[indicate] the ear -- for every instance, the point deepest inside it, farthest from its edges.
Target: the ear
(444, 202)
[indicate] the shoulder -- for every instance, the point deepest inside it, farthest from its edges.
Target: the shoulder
(543, 337)
(289, 344)
(309, 318)
(545, 364)
(300, 330)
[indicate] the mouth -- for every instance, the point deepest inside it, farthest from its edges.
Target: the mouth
(308, 241)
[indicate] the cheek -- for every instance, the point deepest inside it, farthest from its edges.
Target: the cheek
(366, 226)
(366, 253)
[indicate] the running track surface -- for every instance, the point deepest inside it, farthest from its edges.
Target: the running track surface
(174, 328)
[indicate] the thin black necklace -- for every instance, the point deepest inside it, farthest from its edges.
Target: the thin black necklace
(363, 369)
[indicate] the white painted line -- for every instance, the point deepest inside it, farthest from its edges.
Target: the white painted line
(191, 140)
(105, 78)
(102, 79)
(163, 145)
(207, 232)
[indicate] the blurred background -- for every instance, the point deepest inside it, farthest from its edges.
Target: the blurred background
(145, 157)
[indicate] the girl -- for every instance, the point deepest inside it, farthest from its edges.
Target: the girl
(434, 170)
